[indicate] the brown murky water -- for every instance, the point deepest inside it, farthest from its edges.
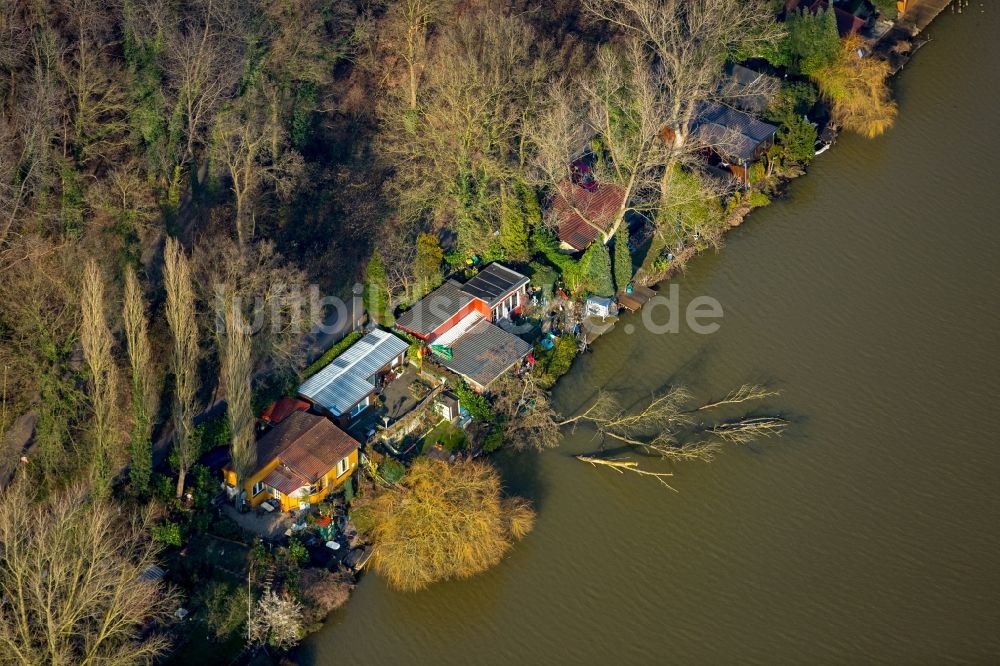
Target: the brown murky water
(870, 531)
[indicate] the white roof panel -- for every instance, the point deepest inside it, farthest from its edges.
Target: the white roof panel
(348, 378)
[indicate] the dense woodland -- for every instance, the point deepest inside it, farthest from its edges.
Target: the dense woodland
(159, 158)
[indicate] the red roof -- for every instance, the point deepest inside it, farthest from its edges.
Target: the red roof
(281, 410)
(574, 206)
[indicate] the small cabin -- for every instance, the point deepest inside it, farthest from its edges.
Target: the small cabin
(597, 306)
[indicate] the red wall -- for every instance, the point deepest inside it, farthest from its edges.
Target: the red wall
(475, 305)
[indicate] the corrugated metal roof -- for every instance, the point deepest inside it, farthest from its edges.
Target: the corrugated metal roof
(459, 329)
(494, 283)
(434, 309)
(729, 131)
(347, 380)
(486, 352)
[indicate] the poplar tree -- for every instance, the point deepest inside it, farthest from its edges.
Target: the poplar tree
(98, 353)
(237, 374)
(144, 399)
(623, 259)
(184, 361)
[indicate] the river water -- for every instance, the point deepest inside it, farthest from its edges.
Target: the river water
(869, 532)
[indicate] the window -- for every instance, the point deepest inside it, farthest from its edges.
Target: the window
(258, 487)
(343, 466)
(275, 493)
(360, 407)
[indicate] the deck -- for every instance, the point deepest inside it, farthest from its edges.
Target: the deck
(639, 297)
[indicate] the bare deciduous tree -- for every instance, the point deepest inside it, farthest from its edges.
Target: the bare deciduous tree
(272, 295)
(406, 28)
(253, 152)
(203, 57)
(276, 621)
(98, 352)
(180, 310)
(452, 155)
(72, 589)
(527, 418)
(646, 90)
(687, 42)
(664, 425)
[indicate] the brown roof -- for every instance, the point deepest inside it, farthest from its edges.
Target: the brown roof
(574, 205)
(309, 445)
(284, 480)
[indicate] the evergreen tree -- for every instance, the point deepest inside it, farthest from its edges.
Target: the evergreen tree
(798, 138)
(427, 267)
(513, 229)
(623, 258)
(597, 263)
(529, 205)
(376, 297)
(812, 40)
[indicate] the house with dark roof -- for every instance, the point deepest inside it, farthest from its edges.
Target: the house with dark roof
(483, 353)
(502, 289)
(737, 137)
(747, 89)
(299, 462)
(343, 390)
(495, 294)
(582, 212)
(457, 321)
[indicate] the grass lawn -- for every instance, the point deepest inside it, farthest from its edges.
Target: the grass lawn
(451, 437)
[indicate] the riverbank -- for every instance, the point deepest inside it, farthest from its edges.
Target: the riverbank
(736, 219)
(828, 546)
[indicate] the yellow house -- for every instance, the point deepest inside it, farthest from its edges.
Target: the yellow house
(299, 462)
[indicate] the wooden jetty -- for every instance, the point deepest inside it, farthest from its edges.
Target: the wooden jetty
(919, 14)
(635, 300)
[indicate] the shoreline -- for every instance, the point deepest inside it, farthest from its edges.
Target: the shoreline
(735, 218)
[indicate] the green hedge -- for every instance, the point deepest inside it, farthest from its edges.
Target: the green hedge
(333, 352)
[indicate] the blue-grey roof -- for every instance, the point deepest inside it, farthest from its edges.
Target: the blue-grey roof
(349, 377)
(729, 131)
(747, 89)
(485, 352)
(434, 309)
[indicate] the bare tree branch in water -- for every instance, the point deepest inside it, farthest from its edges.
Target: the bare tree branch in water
(622, 465)
(748, 429)
(745, 393)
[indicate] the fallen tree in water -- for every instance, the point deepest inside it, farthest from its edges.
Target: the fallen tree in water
(621, 466)
(664, 426)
